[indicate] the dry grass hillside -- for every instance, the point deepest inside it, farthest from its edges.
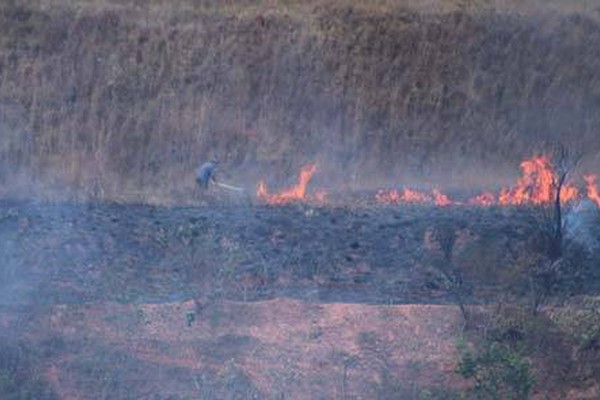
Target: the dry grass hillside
(109, 98)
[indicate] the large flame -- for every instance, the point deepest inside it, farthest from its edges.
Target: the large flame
(293, 194)
(537, 185)
(592, 188)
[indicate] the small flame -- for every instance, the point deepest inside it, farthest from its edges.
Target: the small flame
(441, 199)
(295, 193)
(391, 196)
(486, 199)
(413, 196)
(593, 193)
(569, 193)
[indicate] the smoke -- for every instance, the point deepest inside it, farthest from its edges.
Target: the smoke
(16, 143)
(579, 225)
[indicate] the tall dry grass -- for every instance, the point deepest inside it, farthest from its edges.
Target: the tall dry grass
(122, 99)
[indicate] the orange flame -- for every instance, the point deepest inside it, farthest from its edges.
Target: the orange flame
(537, 185)
(441, 199)
(295, 193)
(407, 196)
(569, 193)
(486, 199)
(391, 196)
(413, 196)
(592, 188)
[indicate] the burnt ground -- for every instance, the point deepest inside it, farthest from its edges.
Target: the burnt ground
(71, 253)
(136, 301)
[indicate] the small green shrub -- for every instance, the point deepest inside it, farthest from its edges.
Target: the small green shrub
(498, 372)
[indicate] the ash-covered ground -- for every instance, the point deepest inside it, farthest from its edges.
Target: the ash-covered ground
(72, 253)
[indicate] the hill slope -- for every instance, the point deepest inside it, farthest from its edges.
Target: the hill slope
(114, 97)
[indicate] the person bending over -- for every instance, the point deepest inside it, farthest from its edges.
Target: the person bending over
(206, 173)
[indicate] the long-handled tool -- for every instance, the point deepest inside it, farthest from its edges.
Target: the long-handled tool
(243, 195)
(230, 187)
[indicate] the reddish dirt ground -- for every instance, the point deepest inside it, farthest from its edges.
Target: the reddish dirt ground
(271, 348)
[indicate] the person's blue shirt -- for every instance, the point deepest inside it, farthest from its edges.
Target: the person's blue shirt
(206, 173)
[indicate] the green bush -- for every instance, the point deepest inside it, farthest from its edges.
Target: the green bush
(498, 372)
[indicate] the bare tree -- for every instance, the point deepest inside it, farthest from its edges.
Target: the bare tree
(544, 278)
(564, 162)
(445, 236)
